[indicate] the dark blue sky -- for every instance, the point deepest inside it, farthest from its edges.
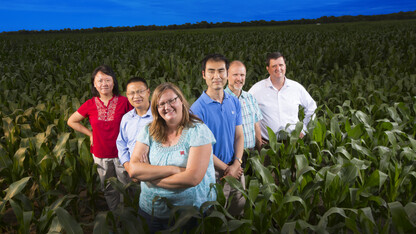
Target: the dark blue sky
(57, 14)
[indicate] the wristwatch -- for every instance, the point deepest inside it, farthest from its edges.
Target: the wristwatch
(239, 160)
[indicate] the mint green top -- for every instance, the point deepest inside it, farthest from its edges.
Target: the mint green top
(177, 155)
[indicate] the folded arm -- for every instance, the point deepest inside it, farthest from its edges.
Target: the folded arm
(139, 167)
(196, 168)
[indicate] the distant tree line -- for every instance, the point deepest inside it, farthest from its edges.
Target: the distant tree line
(204, 24)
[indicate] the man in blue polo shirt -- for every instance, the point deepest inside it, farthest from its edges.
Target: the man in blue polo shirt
(221, 112)
(138, 94)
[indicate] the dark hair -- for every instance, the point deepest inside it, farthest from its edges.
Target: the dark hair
(274, 55)
(215, 57)
(137, 79)
(108, 71)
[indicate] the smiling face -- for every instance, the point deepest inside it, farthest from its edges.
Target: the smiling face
(104, 84)
(170, 107)
(138, 95)
(236, 77)
(215, 74)
(277, 68)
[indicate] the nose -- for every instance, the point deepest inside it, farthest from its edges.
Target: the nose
(166, 106)
(216, 74)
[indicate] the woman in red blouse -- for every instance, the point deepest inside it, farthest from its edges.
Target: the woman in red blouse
(104, 112)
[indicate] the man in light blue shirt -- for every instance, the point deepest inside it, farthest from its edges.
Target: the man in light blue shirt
(134, 121)
(250, 110)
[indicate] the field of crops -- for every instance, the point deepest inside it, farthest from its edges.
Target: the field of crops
(355, 171)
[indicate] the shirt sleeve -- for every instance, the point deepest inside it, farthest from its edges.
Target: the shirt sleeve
(196, 110)
(200, 134)
(144, 136)
(85, 108)
(239, 120)
(121, 142)
(309, 106)
(257, 113)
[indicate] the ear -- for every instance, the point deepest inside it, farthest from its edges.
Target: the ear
(203, 74)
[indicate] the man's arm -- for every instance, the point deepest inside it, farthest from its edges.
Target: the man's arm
(235, 169)
(123, 150)
(218, 164)
(258, 116)
(309, 106)
(257, 132)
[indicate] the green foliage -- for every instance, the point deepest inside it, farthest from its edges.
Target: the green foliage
(353, 172)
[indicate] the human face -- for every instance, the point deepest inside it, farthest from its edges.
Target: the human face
(215, 74)
(277, 68)
(236, 77)
(170, 107)
(138, 95)
(104, 84)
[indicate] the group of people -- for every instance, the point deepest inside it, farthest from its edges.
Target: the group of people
(178, 151)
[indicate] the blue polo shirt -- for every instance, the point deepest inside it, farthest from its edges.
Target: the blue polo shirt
(221, 119)
(130, 126)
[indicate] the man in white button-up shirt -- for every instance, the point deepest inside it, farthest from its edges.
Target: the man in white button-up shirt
(279, 99)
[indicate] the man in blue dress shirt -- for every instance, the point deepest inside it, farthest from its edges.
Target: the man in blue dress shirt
(138, 94)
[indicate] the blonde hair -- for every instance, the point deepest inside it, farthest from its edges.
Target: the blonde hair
(158, 127)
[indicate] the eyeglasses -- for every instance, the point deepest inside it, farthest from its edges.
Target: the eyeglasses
(169, 102)
(139, 92)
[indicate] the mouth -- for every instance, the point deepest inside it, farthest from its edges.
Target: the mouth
(168, 112)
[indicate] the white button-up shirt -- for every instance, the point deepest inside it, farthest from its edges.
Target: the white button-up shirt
(280, 109)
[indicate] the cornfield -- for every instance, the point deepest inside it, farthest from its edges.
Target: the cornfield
(353, 172)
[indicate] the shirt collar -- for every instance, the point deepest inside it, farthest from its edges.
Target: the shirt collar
(270, 84)
(148, 113)
(208, 100)
(242, 95)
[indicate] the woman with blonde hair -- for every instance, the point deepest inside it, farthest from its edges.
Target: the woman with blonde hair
(179, 165)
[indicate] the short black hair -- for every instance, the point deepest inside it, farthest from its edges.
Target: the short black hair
(137, 79)
(215, 57)
(108, 71)
(274, 55)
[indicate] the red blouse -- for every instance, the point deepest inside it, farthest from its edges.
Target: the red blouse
(105, 123)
